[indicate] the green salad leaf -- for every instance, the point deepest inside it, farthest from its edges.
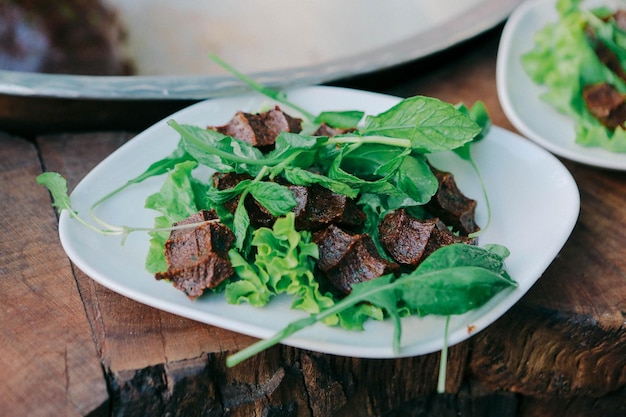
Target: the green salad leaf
(457, 279)
(430, 124)
(563, 60)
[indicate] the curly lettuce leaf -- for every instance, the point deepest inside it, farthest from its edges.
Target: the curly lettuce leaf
(283, 264)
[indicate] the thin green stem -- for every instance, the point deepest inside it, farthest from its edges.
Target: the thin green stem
(443, 361)
(486, 196)
(298, 325)
(274, 94)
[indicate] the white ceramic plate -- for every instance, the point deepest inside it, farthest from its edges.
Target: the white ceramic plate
(535, 205)
(520, 96)
(284, 43)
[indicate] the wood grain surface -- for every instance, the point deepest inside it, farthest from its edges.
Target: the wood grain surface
(71, 347)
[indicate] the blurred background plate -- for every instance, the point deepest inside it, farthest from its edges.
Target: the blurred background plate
(157, 51)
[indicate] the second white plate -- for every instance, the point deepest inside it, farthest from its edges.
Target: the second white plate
(520, 96)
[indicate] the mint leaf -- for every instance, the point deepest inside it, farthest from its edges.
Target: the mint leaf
(431, 125)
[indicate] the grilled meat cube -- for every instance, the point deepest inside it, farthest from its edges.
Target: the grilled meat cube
(347, 259)
(316, 206)
(260, 129)
(606, 104)
(451, 206)
(409, 240)
(197, 257)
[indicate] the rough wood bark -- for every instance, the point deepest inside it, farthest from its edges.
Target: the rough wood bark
(567, 337)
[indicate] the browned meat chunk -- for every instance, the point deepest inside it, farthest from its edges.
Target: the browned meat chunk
(317, 207)
(197, 257)
(409, 240)
(606, 104)
(259, 216)
(260, 129)
(347, 259)
(452, 206)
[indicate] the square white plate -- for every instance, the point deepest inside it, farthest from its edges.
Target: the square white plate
(534, 199)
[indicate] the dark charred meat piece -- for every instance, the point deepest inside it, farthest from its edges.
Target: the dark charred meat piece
(197, 257)
(325, 130)
(451, 205)
(409, 240)
(606, 104)
(347, 259)
(259, 216)
(316, 207)
(261, 129)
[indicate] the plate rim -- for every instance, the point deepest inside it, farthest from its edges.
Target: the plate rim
(178, 87)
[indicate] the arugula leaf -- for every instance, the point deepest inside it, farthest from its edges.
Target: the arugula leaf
(176, 199)
(241, 222)
(298, 176)
(218, 197)
(415, 178)
(382, 169)
(57, 186)
(217, 151)
(431, 125)
(373, 161)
